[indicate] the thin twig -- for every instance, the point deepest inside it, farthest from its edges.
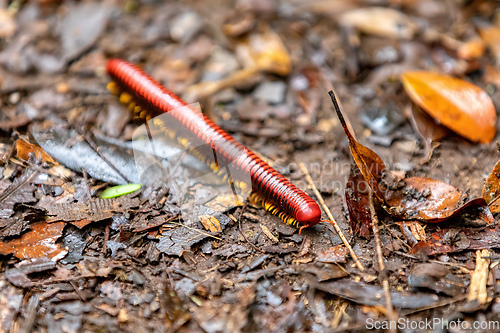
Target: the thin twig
(25, 178)
(385, 282)
(330, 216)
(243, 234)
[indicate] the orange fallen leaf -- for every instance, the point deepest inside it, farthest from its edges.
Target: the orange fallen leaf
(24, 148)
(39, 242)
(459, 105)
(491, 189)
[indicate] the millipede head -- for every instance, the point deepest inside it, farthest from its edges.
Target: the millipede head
(309, 215)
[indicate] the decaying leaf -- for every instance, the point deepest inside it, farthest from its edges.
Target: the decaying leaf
(491, 189)
(459, 239)
(92, 210)
(210, 223)
(436, 277)
(39, 242)
(19, 276)
(423, 199)
(458, 104)
(385, 22)
(177, 240)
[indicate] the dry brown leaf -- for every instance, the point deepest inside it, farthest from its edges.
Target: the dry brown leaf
(448, 240)
(380, 21)
(265, 50)
(357, 202)
(459, 105)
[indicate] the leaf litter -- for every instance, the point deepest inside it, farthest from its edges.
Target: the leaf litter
(267, 66)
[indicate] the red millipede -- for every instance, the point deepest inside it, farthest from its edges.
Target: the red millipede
(266, 181)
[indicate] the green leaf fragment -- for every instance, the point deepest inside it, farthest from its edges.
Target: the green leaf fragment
(118, 191)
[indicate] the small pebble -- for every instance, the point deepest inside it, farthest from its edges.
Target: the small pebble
(185, 26)
(271, 92)
(15, 97)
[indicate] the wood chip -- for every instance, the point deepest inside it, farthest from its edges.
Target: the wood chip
(479, 278)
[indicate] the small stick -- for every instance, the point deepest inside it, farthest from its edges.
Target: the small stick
(385, 282)
(330, 216)
(29, 322)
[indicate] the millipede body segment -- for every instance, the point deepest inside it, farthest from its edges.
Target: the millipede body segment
(149, 98)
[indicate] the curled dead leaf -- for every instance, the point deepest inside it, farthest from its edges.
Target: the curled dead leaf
(458, 104)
